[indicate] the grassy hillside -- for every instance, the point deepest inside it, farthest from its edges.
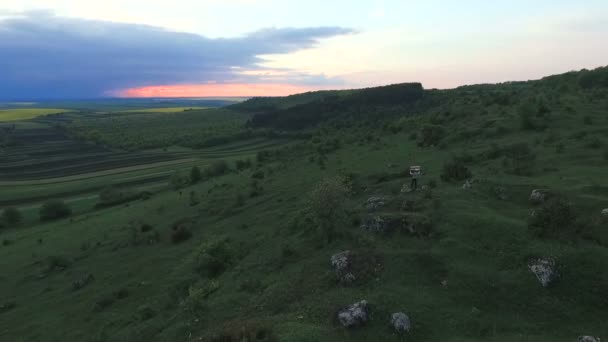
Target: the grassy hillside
(244, 254)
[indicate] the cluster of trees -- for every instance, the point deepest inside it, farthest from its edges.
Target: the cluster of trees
(193, 129)
(342, 108)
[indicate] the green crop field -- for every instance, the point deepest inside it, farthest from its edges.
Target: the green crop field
(162, 110)
(174, 236)
(14, 114)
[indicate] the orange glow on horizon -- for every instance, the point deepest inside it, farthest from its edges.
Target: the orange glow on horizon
(214, 90)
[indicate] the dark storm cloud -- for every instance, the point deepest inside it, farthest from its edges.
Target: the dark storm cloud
(47, 56)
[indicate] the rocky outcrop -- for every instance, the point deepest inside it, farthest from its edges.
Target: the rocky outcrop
(545, 271)
(354, 315)
(341, 263)
(588, 339)
(82, 282)
(401, 322)
(539, 196)
(468, 184)
(374, 203)
(381, 224)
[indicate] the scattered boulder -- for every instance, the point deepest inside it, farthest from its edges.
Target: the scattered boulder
(545, 271)
(401, 322)
(82, 282)
(381, 224)
(341, 262)
(354, 315)
(588, 339)
(406, 188)
(374, 203)
(468, 184)
(539, 196)
(425, 188)
(605, 212)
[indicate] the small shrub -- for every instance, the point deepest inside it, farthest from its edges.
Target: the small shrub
(431, 135)
(593, 142)
(216, 169)
(7, 306)
(455, 170)
(432, 183)
(103, 303)
(145, 312)
(214, 258)
(243, 164)
(178, 180)
(59, 263)
(194, 200)
(11, 216)
(112, 196)
(555, 218)
(588, 120)
(326, 205)
(53, 210)
(259, 174)
(180, 234)
(195, 175)
(240, 200)
(145, 227)
(250, 285)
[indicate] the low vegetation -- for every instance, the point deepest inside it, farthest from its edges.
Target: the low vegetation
(275, 242)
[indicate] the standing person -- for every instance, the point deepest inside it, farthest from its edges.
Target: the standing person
(415, 173)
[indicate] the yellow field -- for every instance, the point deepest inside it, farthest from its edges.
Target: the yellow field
(160, 110)
(15, 114)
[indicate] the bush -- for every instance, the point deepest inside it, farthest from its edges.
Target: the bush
(259, 174)
(431, 135)
(195, 175)
(243, 164)
(216, 169)
(554, 218)
(455, 170)
(112, 196)
(145, 312)
(178, 180)
(587, 120)
(11, 216)
(181, 231)
(326, 205)
(54, 210)
(214, 258)
(593, 142)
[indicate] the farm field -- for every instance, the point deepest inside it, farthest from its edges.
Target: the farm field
(162, 110)
(234, 240)
(15, 114)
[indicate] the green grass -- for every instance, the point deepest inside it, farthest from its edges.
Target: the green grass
(15, 114)
(276, 275)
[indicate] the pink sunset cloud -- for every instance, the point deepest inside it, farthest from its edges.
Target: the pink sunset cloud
(213, 90)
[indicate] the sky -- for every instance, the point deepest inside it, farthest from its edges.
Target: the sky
(193, 48)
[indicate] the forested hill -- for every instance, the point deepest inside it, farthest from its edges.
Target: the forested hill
(374, 104)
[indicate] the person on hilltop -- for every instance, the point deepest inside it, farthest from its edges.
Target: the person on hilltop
(415, 173)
